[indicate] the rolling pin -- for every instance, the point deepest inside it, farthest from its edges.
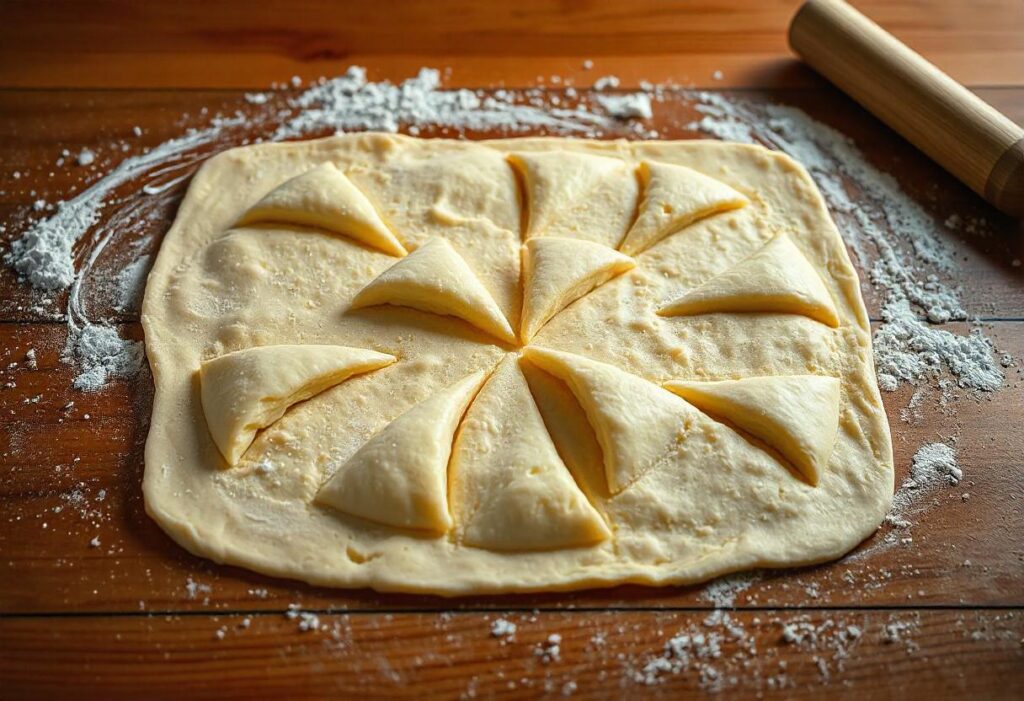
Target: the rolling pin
(956, 128)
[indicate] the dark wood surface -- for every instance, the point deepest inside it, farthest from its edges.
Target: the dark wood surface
(121, 43)
(940, 606)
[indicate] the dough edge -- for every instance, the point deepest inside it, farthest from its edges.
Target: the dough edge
(172, 510)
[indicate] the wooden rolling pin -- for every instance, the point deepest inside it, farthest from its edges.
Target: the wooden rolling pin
(964, 134)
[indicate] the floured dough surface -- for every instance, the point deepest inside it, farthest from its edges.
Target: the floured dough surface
(457, 367)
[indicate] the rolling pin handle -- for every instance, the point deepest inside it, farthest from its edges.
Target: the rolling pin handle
(956, 128)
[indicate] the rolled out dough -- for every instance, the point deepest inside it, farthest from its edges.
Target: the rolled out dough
(688, 389)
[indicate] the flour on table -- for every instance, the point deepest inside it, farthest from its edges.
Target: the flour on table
(632, 106)
(502, 628)
(130, 283)
(101, 354)
(351, 102)
(605, 82)
(933, 468)
(723, 591)
(194, 589)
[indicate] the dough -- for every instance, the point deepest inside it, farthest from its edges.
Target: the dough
(466, 367)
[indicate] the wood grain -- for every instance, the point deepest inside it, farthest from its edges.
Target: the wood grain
(897, 654)
(119, 43)
(96, 602)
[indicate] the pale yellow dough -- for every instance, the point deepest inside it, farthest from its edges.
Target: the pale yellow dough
(510, 365)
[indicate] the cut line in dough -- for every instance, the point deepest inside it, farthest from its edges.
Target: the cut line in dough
(674, 197)
(577, 195)
(798, 415)
(775, 279)
(247, 390)
(637, 423)
(510, 490)
(557, 271)
(400, 476)
(436, 279)
(324, 197)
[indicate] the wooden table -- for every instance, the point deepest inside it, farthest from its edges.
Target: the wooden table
(133, 616)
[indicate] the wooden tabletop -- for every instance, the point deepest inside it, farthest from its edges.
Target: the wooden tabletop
(96, 602)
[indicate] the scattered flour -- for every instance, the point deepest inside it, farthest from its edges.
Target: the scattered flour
(933, 464)
(308, 621)
(101, 354)
(130, 282)
(723, 591)
(502, 628)
(44, 254)
(605, 82)
(257, 98)
(909, 350)
(351, 102)
(550, 650)
(193, 588)
(933, 467)
(631, 106)
(897, 632)
(699, 648)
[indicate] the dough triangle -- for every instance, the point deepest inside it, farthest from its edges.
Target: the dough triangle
(509, 488)
(245, 391)
(435, 278)
(798, 415)
(570, 430)
(675, 197)
(400, 476)
(557, 271)
(324, 197)
(778, 278)
(637, 423)
(577, 195)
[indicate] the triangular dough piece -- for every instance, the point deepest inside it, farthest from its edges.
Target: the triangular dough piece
(557, 271)
(400, 476)
(245, 391)
(324, 197)
(776, 279)
(577, 195)
(435, 278)
(570, 430)
(798, 415)
(675, 197)
(637, 423)
(509, 488)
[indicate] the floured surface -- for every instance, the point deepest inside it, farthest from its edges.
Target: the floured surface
(714, 500)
